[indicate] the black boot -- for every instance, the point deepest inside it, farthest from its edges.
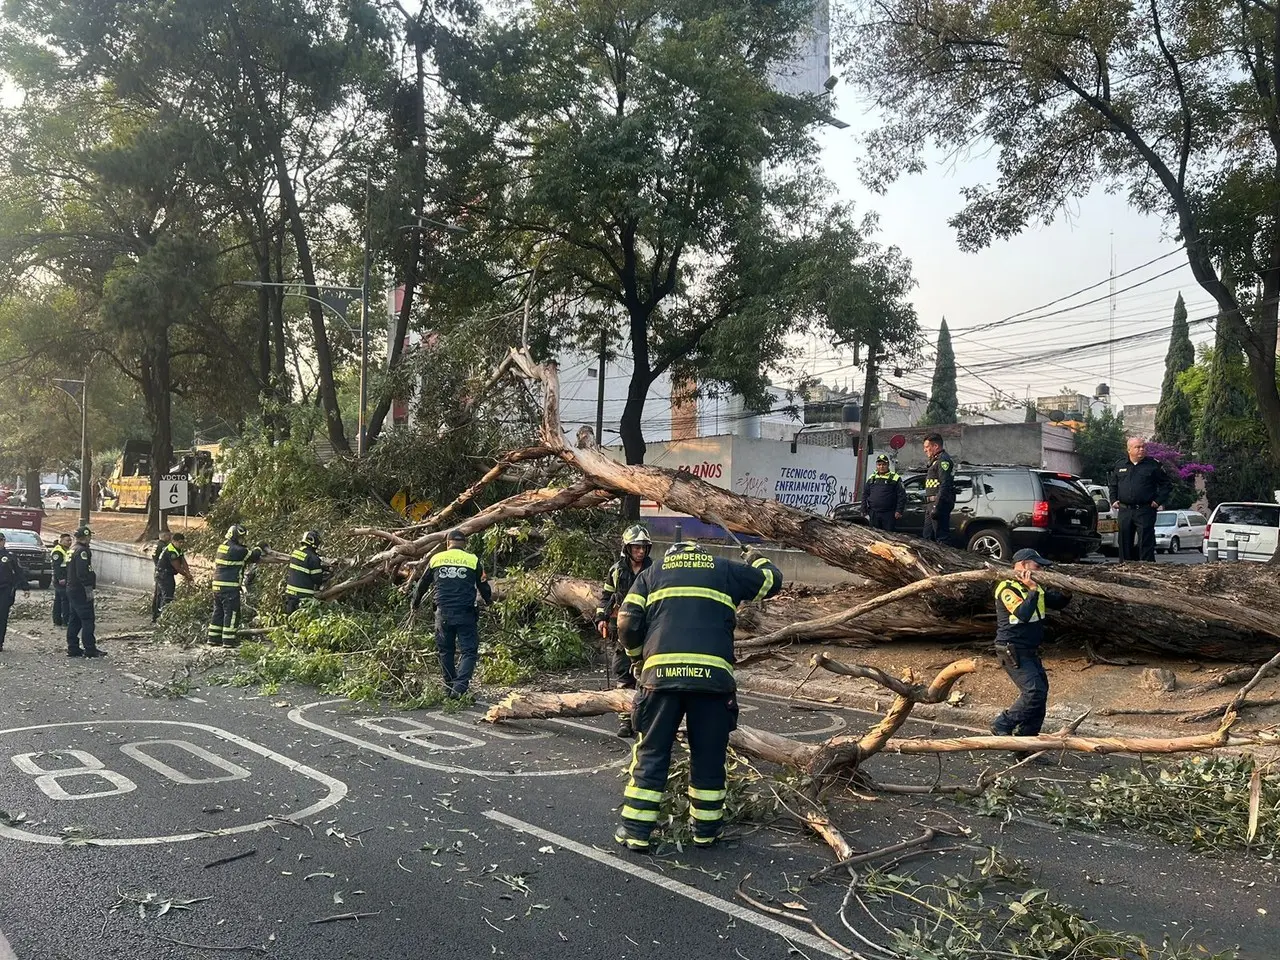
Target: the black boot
(625, 730)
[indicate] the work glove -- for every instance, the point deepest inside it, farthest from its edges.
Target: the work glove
(750, 555)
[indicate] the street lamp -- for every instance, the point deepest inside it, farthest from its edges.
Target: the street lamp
(83, 402)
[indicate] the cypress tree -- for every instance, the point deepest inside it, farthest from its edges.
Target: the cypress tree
(943, 402)
(1174, 424)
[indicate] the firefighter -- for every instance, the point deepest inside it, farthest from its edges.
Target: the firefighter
(12, 579)
(677, 623)
(230, 562)
(457, 575)
(170, 564)
(883, 496)
(939, 491)
(306, 572)
(157, 600)
(634, 560)
(61, 557)
(81, 581)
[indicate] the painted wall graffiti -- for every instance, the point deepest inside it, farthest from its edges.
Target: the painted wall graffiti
(810, 490)
(752, 486)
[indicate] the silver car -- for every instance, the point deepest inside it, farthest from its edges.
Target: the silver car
(1179, 530)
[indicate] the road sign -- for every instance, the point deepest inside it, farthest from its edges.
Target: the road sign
(898, 441)
(173, 494)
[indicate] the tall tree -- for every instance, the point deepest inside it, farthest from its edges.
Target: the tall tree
(1173, 104)
(1100, 443)
(1173, 414)
(943, 400)
(629, 168)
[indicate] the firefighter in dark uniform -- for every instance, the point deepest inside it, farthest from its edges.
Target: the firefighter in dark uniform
(12, 579)
(635, 560)
(883, 496)
(229, 567)
(61, 554)
(306, 572)
(170, 564)
(457, 575)
(939, 491)
(157, 600)
(1020, 611)
(1139, 486)
(81, 581)
(677, 623)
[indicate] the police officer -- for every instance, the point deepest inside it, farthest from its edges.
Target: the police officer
(939, 491)
(170, 564)
(1139, 486)
(157, 600)
(12, 579)
(61, 557)
(229, 566)
(457, 575)
(81, 581)
(1020, 611)
(677, 623)
(883, 496)
(634, 560)
(306, 572)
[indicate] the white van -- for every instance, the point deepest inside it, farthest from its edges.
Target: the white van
(1179, 530)
(1108, 526)
(1255, 527)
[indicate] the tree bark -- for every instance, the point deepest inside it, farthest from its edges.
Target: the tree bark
(156, 389)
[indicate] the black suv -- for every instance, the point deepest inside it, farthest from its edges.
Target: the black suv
(1001, 509)
(37, 562)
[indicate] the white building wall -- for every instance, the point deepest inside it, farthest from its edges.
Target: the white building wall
(808, 71)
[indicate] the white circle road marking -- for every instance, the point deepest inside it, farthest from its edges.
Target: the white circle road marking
(337, 789)
(296, 716)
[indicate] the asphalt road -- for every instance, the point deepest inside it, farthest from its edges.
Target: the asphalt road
(428, 835)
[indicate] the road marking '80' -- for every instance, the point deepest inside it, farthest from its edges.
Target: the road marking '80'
(50, 781)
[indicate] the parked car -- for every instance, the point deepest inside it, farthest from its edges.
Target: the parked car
(36, 561)
(62, 501)
(1255, 528)
(1179, 529)
(1108, 518)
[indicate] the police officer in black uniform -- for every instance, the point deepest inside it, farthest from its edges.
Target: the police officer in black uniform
(634, 560)
(229, 566)
(12, 579)
(1020, 611)
(677, 623)
(61, 555)
(939, 491)
(1139, 486)
(171, 562)
(457, 574)
(81, 581)
(306, 572)
(883, 496)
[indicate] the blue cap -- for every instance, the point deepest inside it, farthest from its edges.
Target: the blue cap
(1029, 554)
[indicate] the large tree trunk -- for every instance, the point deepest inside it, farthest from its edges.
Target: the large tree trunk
(156, 386)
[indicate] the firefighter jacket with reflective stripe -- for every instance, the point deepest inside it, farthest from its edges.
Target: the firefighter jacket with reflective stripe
(12, 576)
(1020, 612)
(679, 617)
(884, 493)
(621, 577)
(61, 557)
(230, 562)
(457, 576)
(80, 573)
(170, 562)
(306, 573)
(940, 480)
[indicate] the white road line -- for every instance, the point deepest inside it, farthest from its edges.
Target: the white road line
(734, 910)
(6, 951)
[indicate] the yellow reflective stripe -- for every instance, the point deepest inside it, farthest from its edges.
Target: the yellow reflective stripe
(298, 591)
(640, 793)
(697, 813)
(294, 566)
(701, 593)
(631, 813)
(768, 581)
(634, 652)
(685, 659)
(698, 794)
(226, 583)
(636, 599)
(454, 558)
(223, 562)
(637, 844)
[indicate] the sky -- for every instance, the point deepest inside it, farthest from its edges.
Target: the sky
(1011, 277)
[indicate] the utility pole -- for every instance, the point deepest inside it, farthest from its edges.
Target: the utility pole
(604, 344)
(364, 328)
(86, 472)
(864, 426)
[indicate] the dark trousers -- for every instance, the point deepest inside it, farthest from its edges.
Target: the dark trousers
(458, 644)
(293, 601)
(6, 604)
(883, 520)
(80, 622)
(61, 610)
(226, 617)
(937, 524)
(1026, 716)
(619, 666)
(656, 716)
(1137, 533)
(162, 594)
